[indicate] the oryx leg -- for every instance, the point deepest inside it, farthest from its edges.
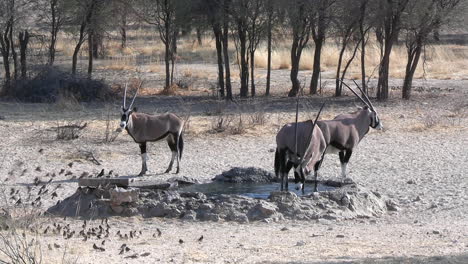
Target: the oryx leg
(345, 155)
(144, 158)
(173, 146)
(316, 169)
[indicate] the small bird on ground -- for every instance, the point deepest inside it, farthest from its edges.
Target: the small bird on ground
(200, 239)
(70, 164)
(100, 174)
(159, 232)
(181, 241)
(98, 248)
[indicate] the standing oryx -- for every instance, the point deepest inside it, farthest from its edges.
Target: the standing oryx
(301, 145)
(144, 127)
(345, 131)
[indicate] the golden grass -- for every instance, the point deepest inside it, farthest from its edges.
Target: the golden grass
(442, 61)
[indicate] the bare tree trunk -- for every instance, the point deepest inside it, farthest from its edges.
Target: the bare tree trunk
(14, 54)
(219, 52)
(23, 40)
(5, 50)
(363, 59)
(343, 74)
(244, 74)
(316, 68)
(382, 85)
(269, 28)
(123, 29)
(226, 59)
(54, 31)
(295, 59)
(90, 52)
(77, 49)
(413, 58)
(199, 36)
(252, 72)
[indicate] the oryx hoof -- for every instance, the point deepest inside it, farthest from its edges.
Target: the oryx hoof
(168, 170)
(142, 173)
(177, 171)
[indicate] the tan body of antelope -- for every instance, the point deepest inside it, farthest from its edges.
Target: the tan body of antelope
(145, 128)
(343, 133)
(306, 158)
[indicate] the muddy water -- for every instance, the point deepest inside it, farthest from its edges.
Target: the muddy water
(253, 190)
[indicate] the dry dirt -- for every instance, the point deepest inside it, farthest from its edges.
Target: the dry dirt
(420, 160)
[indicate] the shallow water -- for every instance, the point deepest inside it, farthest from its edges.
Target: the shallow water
(253, 190)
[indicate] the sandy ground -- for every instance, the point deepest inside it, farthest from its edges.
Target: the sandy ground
(420, 160)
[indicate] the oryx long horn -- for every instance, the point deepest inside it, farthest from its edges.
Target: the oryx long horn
(357, 95)
(125, 96)
(312, 133)
(365, 96)
(133, 100)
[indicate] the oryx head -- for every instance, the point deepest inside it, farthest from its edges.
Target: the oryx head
(374, 117)
(127, 111)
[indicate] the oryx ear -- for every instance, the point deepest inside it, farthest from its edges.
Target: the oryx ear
(134, 109)
(365, 107)
(359, 108)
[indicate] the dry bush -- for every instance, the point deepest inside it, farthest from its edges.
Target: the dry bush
(51, 83)
(221, 123)
(239, 127)
(258, 116)
(110, 134)
(20, 249)
(70, 131)
(171, 90)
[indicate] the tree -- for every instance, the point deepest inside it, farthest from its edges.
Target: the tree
(226, 4)
(7, 16)
(346, 24)
(167, 16)
(321, 20)
(52, 13)
(255, 31)
(390, 25)
(81, 23)
(299, 19)
(213, 12)
(238, 11)
(423, 17)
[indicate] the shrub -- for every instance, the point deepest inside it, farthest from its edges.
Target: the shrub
(52, 83)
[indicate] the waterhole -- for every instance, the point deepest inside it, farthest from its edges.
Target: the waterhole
(253, 190)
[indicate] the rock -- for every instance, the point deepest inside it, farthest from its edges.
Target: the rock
(208, 217)
(340, 236)
(117, 208)
(237, 217)
(190, 215)
(206, 206)
(183, 180)
(121, 195)
(162, 209)
(261, 211)
(435, 232)
(284, 197)
(391, 205)
(250, 174)
(300, 243)
(284, 229)
(411, 182)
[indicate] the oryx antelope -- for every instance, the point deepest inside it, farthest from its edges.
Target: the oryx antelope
(300, 145)
(145, 128)
(345, 131)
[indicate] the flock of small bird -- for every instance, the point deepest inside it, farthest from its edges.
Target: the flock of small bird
(40, 190)
(100, 233)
